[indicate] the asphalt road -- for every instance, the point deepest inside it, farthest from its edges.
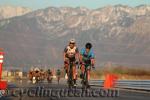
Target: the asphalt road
(28, 91)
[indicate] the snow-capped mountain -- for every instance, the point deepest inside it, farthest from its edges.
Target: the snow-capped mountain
(119, 34)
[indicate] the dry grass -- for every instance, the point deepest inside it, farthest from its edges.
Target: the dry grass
(122, 73)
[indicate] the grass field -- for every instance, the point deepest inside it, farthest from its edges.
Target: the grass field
(122, 73)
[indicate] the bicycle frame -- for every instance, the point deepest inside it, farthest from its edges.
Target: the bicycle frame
(85, 80)
(70, 76)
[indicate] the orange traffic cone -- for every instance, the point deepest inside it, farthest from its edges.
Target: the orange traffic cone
(110, 81)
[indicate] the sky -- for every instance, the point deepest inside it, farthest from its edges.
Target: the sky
(92, 4)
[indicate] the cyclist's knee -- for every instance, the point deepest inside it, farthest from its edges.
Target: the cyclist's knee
(82, 68)
(92, 61)
(88, 71)
(66, 65)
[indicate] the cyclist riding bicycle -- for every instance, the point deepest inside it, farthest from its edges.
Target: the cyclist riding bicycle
(36, 74)
(30, 74)
(49, 72)
(58, 72)
(71, 53)
(58, 75)
(49, 75)
(42, 74)
(87, 57)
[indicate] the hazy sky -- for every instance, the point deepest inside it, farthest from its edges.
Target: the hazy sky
(37, 4)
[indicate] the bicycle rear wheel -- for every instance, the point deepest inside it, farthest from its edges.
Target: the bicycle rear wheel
(70, 76)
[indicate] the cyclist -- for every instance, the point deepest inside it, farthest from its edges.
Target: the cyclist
(49, 72)
(87, 57)
(42, 74)
(71, 53)
(58, 75)
(31, 72)
(49, 75)
(36, 74)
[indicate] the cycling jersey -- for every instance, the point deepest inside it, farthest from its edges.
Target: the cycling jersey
(58, 72)
(49, 72)
(87, 56)
(70, 52)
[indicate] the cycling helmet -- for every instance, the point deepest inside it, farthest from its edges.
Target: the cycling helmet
(72, 41)
(36, 69)
(49, 70)
(88, 45)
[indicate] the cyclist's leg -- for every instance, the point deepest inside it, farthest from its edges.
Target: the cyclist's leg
(83, 75)
(74, 72)
(66, 66)
(89, 62)
(92, 61)
(30, 77)
(88, 74)
(58, 78)
(82, 70)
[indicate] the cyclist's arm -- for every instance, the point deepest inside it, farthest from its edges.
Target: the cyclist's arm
(92, 58)
(77, 54)
(81, 55)
(64, 53)
(64, 56)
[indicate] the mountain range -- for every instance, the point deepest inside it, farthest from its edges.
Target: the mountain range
(119, 34)
(12, 11)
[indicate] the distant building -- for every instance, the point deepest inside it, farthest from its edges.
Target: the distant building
(12, 73)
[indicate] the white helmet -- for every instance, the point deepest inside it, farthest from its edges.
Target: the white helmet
(36, 69)
(72, 41)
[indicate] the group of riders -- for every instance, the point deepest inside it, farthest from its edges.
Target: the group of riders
(73, 59)
(38, 75)
(85, 59)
